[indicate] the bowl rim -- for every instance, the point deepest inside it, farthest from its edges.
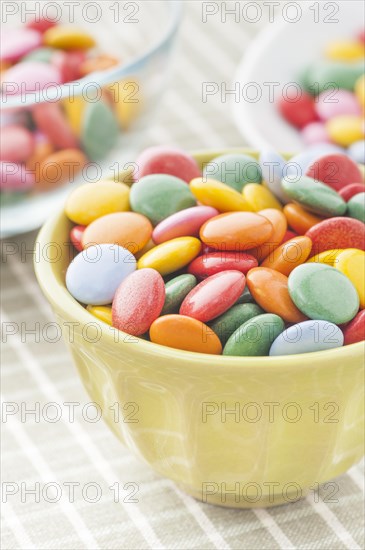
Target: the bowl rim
(61, 300)
(101, 78)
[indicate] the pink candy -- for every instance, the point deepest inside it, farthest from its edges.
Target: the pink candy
(168, 160)
(31, 76)
(16, 144)
(18, 42)
(184, 223)
(331, 103)
(14, 177)
(315, 132)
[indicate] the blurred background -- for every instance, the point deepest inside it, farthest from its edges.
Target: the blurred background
(126, 505)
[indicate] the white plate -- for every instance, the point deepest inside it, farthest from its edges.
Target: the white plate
(277, 55)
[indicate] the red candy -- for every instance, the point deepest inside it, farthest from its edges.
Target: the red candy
(50, 120)
(337, 233)
(337, 171)
(76, 236)
(350, 190)
(168, 160)
(138, 301)
(213, 296)
(209, 264)
(68, 63)
(298, 112)
(354, 331)
(41, 25)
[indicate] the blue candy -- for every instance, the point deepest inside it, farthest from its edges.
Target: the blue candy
(308, 336)
(356, 151)
(273, 170)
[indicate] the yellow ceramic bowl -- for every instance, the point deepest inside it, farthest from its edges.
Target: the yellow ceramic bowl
(234, 431)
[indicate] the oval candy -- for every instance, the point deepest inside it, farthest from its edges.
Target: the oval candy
(354, 331)
(176, 290)
(335, 171)
(58, 168)
(350, 190)
(185, 223)
(171, 255)
(289, 255)
(356, 207)
(16, 143)
(279, 223)
(103, 313)
(337, 233)
(307, 337)
(259, 197)
(314, 196)
(255, 336)
(209, 264)
(218, 195)
(225, 325)
(167, 160)
(68, 37)
(351, 262)
(234, 170)
(300, 219)
(99, 130)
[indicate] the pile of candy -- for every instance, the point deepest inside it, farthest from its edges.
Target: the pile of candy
(329, 106)
(48, 143)
(245, 258)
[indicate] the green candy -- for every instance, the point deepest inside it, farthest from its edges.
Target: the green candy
(157, 196)
(225, 325)
(176, 290)
(255, 336)
(246, 297)
(44, 55)
(234, 170)
(328, 75)
(313, 195)
(356, 207)
(323, 292)
(99, 130)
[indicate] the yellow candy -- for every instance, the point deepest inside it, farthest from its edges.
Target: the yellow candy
(259, 197)
(219, 195)
(360, 90)
(171, 255)
(93, 200)
(352, 264)
(345, 129)
(126, 97)
(346, 50)
(74, 111)
(103, 313)
(68, 38)
(328, 257)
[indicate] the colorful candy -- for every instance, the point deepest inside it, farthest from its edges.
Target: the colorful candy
(167, 160)
(336, 171)
(234, 170)
(182, 279)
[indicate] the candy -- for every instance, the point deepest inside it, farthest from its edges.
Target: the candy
(74, 109)
(209, 264)
(337, 233)
(138, 301)
(345, 50)
(356, 151)
(76, 236)
(52, 123)
(98, 63)
(273, 166)
(218, 195)
(314, 196)
(360, 90)
(185, 333)
(15, 177)
(167, 160)
(93, 200)
(171, 255)
(298, 110)
(355, 330)
(299, 219)
(350, 190)
(58, 168)
(259, 197)
(236, 231)
(341, 75)
(235, 170)
(94, 274)
(68, 38)
(44, 55)
(40, 24)
(351, 262)
(323, 292)
(159, 195)
(16, 43)
(329, 104)
(269, 289)
(328, 257)
(16, 144)
(184, 223)
(315, 132)
(255, 336)
(307, 337)
(289, 255)
(225, 325)
(299, 164)
(127, 99)
(68, 64)
(335, 171)
(345, 129)
(99, 130)
(128, 229)
(213, 296)
(278, 221)
(103, 313)
(356, 207)
(175, 291)
(30, 77)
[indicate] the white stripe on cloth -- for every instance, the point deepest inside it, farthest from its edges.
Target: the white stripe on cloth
(16, 527)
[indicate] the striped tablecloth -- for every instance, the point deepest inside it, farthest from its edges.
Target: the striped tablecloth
(60, 477)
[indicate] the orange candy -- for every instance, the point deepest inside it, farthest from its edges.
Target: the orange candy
(128, 229)
(185, 333)
(42, 150)
(299, 219)
(269, 289)
(59, 168)
(236, 231)
(99, 63)
(289, 255)
(278, 220)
